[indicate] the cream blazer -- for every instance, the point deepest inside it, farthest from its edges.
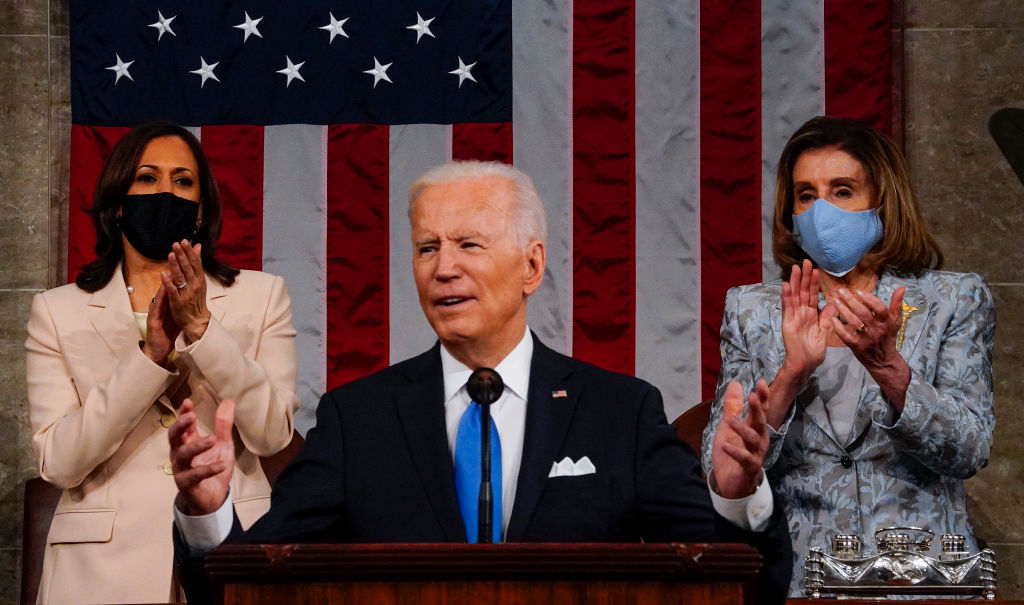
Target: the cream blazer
(100, 410)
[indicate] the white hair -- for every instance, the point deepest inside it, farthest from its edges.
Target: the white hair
(528, 215)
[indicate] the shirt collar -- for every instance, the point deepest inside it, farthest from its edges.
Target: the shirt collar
(514, 369)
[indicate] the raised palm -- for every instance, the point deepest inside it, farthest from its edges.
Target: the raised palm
(805, 330)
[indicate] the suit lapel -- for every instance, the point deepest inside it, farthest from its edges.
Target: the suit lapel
(547, 420)
(113, 320)
(216, 299)
(916, 321)
(913, 298)
(420, 405)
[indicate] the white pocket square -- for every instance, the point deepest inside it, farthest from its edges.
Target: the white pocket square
(567, 468)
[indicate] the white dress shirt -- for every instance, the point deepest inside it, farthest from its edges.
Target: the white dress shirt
(206, 532)
(508, 412)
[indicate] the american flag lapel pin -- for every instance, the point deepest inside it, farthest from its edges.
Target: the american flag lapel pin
(558, 394)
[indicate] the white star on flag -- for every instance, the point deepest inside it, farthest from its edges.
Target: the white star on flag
(422, 27)
(292, 71)
(163, 25)
(463, 72)
(379, 72)
(250, 27)
(121, 69)
(206, 71)
(335, 27)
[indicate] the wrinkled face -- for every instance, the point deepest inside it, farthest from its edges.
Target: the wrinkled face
(472, 275)
(167, 164)
(831, 174)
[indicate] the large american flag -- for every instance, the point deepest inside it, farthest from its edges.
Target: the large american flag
(651, 128)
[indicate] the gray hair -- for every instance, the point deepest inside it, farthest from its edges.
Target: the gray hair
(529, 217)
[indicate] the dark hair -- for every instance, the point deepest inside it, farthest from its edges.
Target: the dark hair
(906, 247)
(112, 185)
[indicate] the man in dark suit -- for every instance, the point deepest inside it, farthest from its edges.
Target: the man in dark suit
(585, 454)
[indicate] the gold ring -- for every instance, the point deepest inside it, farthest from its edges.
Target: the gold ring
(182, 285)
(860, 328)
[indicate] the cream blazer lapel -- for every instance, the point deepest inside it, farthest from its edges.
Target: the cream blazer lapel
(216, 299)
(114, 322)
(110, 313)
(203, 394)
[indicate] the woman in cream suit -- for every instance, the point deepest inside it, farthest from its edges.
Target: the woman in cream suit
(154, 319)
(880, 365)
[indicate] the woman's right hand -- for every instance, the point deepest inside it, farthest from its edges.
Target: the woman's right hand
(805, 334)
(805, 330)
(161, 330)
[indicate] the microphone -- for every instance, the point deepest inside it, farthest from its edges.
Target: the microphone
(485, 387)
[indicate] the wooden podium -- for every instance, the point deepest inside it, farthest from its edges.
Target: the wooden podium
(535, 574)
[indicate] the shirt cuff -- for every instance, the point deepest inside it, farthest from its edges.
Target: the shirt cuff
(206, 532)
(751, 513)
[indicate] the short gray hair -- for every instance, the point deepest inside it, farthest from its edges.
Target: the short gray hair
(529, 217)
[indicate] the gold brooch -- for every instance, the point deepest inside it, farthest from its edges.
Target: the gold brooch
(907, 310)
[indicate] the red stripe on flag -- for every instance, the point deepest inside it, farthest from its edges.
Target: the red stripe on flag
(604, 184)
(236, 159)
(858, 61)
(357, 251)
(730, 163)
(491, 141)
(90, 146)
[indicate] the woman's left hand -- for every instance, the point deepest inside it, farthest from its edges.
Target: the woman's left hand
(871, 332)
(185, 285)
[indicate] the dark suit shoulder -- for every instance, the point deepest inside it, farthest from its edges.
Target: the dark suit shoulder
(605, 384)
(390, 379)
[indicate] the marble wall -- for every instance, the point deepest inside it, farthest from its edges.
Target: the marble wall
(961, 62)
(35, 117)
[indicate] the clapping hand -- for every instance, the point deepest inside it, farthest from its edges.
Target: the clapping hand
(185, 285)
(202, 465)
(805, 335)
(161, 329)
(871, 331)
(805, 330)
(740, 443)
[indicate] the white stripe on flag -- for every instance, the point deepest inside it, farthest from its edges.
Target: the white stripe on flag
(540, 126)
(667, 204)
(792, 92)
(413, 149)
(294, 227)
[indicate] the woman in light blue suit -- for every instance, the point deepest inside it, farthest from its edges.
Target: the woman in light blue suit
(879, 364)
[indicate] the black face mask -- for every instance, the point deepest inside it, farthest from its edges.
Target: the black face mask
(152, 222)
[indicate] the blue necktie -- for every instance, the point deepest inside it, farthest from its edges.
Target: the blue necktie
(467, 473)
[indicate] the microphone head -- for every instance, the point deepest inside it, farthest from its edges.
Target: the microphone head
(485, 386)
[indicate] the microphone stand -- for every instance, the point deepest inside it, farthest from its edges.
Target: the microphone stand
(485, 387)
(485, 505)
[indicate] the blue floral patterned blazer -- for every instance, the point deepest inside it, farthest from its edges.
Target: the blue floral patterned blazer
(905, 470)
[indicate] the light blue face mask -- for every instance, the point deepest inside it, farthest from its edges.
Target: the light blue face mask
(834, 238)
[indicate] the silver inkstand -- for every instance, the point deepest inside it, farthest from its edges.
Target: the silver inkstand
(901, 567)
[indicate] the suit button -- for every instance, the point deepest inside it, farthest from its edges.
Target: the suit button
(168, 469)
(167, 419)
(846, 462)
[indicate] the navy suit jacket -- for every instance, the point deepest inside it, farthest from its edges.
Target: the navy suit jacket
(377, 468)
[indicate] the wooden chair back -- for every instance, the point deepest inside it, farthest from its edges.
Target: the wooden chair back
(690, 424)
